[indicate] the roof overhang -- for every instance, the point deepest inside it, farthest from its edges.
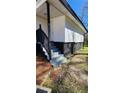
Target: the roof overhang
(58, 8)
(65, 8)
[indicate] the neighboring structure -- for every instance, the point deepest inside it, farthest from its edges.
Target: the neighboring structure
(59, 30)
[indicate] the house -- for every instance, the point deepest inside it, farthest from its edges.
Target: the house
(59, 31)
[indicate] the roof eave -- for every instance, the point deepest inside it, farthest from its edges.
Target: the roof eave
(68, 7)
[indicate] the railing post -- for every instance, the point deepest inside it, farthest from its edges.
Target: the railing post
(49, 28)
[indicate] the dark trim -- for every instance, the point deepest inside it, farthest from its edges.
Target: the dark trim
(48, 24)
(68, 7)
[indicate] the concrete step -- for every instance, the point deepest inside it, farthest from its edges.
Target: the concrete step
(56, 56)
(55, 49)
(55, 53)
(60, 57)
(52, 51)
(58, 61)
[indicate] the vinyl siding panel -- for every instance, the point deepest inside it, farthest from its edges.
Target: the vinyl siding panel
(57, 29)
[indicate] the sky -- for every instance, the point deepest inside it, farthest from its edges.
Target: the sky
(81, 9)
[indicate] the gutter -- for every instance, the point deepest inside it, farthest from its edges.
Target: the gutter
(68, 7)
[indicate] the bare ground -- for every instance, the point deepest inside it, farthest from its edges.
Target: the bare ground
(72, 77)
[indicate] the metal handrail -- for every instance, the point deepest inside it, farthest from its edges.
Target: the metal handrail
(43, 39)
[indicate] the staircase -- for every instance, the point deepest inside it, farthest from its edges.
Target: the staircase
(43, 50)
(57, 58)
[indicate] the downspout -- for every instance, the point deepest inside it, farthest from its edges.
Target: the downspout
(49, 28)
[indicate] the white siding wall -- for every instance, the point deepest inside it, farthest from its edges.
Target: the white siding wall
(73, 33)
(43, 22)
(62, 29)
(57, 29)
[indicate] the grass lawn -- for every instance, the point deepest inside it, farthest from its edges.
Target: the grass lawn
(85, 51)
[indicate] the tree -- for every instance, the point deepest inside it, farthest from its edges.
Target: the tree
(84, 16)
